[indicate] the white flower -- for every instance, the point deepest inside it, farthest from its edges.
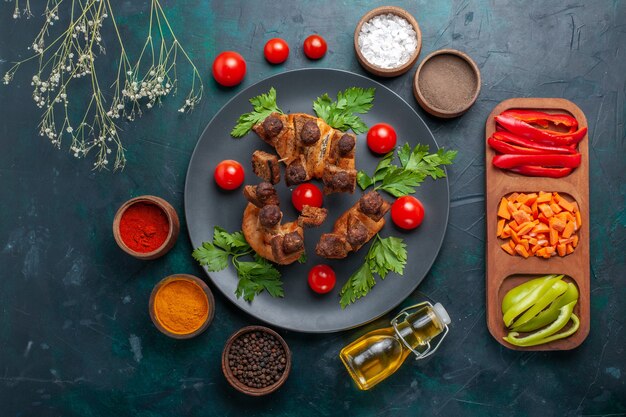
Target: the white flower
(69, 129)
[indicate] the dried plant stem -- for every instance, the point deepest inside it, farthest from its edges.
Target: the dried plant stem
(139, 84)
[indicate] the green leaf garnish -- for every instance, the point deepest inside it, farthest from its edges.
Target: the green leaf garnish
(415, 165)
(254, 276)
(264, 105)
(342, 114)
(384, 255)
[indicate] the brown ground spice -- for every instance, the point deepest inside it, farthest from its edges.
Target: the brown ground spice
(447, 82)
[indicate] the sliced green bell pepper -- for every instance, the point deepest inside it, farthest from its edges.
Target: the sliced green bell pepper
(548, 334)
(517, 294)
(551, 313)
(524, 296)
(557, 289)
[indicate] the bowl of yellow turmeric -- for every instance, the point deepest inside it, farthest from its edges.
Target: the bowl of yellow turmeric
(181, 306)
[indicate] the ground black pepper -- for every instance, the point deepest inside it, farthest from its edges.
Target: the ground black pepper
(257, 359)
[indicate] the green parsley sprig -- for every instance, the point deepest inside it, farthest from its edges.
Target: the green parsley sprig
(384, 255)
(415, 165)
(254, 276)
(264, 105)
(342, 114)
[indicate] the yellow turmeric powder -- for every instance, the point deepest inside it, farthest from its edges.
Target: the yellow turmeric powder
(181, 306)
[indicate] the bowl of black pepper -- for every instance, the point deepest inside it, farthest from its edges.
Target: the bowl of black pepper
(256, 360)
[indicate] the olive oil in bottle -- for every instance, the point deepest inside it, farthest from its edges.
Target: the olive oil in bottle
(378, 354)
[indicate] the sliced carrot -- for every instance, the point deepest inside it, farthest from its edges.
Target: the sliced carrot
(500, 227)
(515, 237)
(544, 198)
(554, 236)
(556, 208)
(566, 205)
(557, 224)
(526, 209)
(508, 249)
(513, 225)
(546, 210)
(511, 207)
(530, 199)
(524, 243)
(569, 229)
(525, 228)
(521, 251)
(541, 224)
(521, 198)
(502, 209)
(521, 217)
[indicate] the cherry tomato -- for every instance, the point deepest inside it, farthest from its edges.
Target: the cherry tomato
(306, 195)
(407, 212)
(322, 279)
(276, 51)
(229, 174)
(229, 68)
(314, 47)
(381, 138)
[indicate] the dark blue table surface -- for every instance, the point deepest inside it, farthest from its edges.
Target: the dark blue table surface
(75, 335)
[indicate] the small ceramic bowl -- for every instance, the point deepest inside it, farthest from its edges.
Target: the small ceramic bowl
(172, 218)
(209, 298)
(446, 83)
(238, 385)
(387, 72)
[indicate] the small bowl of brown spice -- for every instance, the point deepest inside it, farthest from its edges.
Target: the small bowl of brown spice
(256, 360)
(447, 83)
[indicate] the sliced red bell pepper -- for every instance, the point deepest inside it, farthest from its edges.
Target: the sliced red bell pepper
(507, 148)
(547, 137)
(536, 171)
(544, 119)
(549, 160)
(521, 141)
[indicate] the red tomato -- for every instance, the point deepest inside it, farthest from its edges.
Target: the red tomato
(229, 68)
(322, 279)
(381, 138)
(314, 47)
(407, 212)
(229, 174)
(276, 51)
(306, 195)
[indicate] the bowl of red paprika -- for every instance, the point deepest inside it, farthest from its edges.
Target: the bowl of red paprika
(146, 227)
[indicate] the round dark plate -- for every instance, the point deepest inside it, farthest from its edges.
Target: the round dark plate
(301, 309)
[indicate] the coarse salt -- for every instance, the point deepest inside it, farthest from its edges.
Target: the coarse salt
(387, 41)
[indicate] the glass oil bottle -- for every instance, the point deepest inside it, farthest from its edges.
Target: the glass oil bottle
(379, 353)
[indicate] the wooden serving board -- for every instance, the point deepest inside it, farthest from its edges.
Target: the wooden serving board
(505, 271)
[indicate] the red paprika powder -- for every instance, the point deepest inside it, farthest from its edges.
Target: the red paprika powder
(144, 227)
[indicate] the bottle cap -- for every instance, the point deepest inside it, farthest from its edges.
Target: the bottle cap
(442, 313)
